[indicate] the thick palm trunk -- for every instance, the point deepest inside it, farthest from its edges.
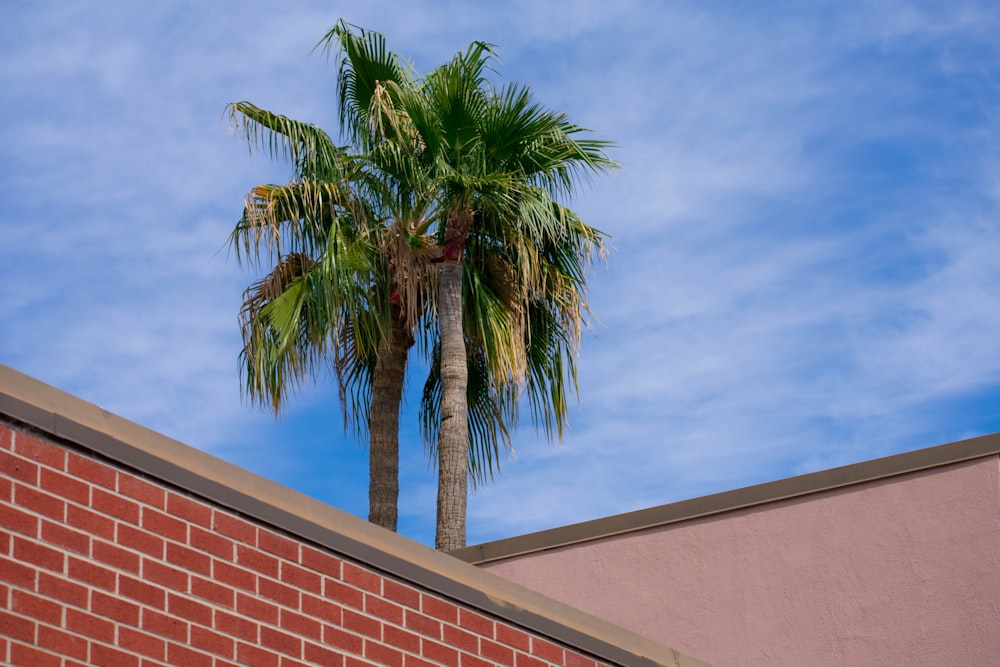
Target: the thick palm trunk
(383, 429)
(453, 438)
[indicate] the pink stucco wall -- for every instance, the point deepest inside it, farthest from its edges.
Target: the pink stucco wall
(904, 571)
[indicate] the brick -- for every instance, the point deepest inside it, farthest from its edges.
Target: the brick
(39, 451)
(382, 654)
(339, 592)
(577, 660)
(320, 655)
(278, 545)
(281, 642)
(191, 610)
(257, 609)
(512, 637)
(300, 624)
(140, 540)
(476, 623)
(164, 525)
(6, 442)
(64, 486)
(279, 592)
(248, 654)
(61, 642)
(67, 592)
(438, 652)
(164, 625)
(17, 574)
(89, 625)
(18, 468)
(404, 595)
(182, 655)
(414, 661)
(498, 653)
(217, 545)
(91, 574)
(58, 534)
(291, 662)
(461, 639)
(351, 661)
(387, 611)
(90, 522)
(39, 502)
(469, 660)
(238, 529)
(189, 510)
(19, 521)
(38, 554)
(235, 625)
(209, 590)
(38, 608)
(257, 560)
(142, 592)
(547, 650)
(114, 607)
(362, 578)
(91, 470)
(321, 562)
(114, 505)
(403, 639)
(188, 559)
(365, 625)
(142, 643)
(108, 656)
(321, 609)
(424, 625)
(6, 490)
(439, 608)
(212, 642)
(234, 576)
(525, 660)
(32, 657)
(141, 490)
(17, 627)
(345, 641)
(168, 576)
(300, 577)
(115, 556)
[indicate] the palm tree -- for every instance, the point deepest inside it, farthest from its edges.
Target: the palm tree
(494, 161)
(330, 296)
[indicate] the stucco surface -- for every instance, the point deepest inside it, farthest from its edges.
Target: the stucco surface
(903, 571)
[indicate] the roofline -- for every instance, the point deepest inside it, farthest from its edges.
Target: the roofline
(750, 496)
(25, 401)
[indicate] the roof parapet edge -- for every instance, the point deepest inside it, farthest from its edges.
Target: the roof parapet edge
(727, 501)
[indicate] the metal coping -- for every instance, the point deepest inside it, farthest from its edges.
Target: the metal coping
(751, 496)
(25, 401)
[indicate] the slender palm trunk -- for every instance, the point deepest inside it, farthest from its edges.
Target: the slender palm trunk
(453, 439)
(383, 428)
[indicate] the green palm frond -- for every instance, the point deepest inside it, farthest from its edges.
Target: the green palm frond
(366, 67)
(305, 145)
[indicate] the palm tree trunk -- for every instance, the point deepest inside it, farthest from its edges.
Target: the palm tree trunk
(383, 428)
(453, 438)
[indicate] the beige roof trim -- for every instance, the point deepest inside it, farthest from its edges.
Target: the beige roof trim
(792, 487)
(60, 416)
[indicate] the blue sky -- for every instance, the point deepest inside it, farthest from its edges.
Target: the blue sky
(806, 232)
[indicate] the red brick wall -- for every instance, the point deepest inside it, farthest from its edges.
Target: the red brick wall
(99, 566)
